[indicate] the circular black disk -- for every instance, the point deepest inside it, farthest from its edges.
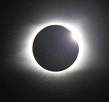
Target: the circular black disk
(54, 49)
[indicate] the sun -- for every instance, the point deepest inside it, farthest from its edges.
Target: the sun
(76, 35)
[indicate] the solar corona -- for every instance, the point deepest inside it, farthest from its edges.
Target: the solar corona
(74, 35)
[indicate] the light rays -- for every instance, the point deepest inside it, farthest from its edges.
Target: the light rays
(32, 33)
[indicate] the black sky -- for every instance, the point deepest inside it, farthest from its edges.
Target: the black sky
(18, 83)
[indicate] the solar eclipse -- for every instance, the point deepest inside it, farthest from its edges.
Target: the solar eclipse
(83, 26)
(74, 36)
(26, 50)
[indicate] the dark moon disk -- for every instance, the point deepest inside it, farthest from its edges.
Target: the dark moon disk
(54, 49)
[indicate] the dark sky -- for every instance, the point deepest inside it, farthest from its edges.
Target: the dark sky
(20, 80)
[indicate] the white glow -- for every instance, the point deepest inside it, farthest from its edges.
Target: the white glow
(76, 35)
(33, 30)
